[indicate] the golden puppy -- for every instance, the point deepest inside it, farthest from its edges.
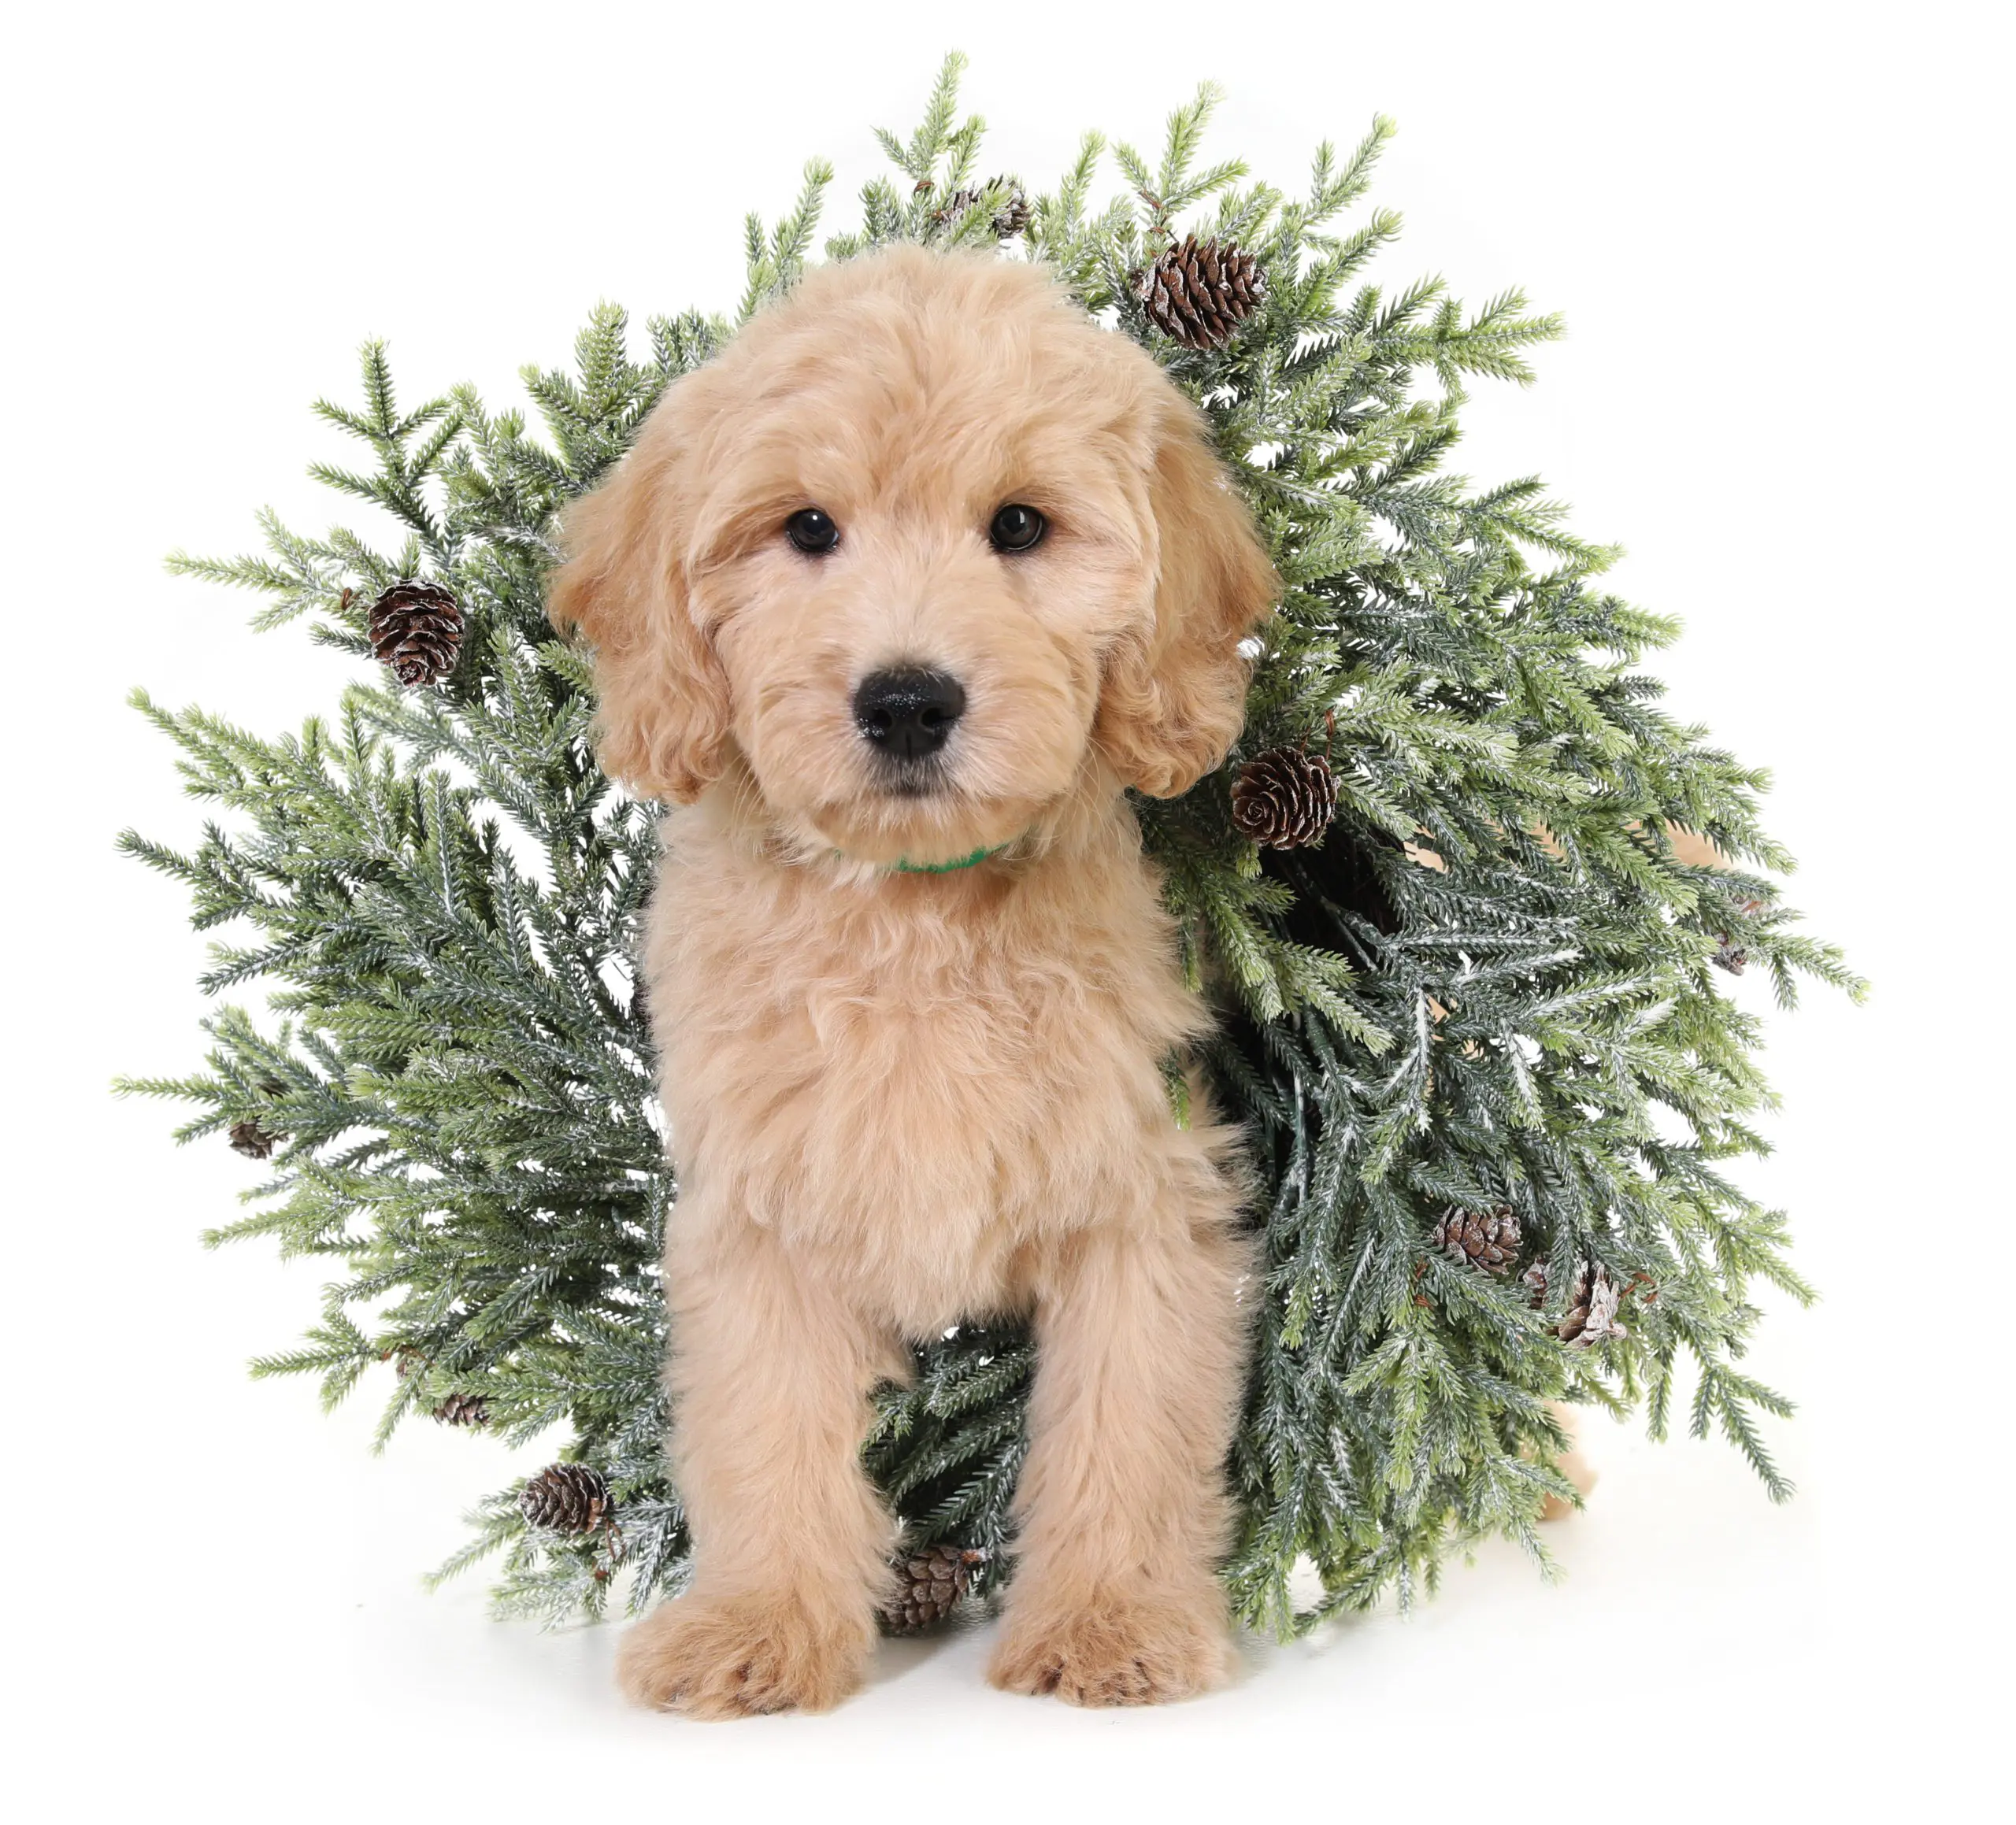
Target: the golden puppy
(892, 600)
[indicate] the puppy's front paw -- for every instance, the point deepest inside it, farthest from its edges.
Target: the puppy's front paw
(1114, 1650)
(733, 1656)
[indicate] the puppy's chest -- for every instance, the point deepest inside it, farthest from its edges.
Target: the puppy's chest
(902, 1090)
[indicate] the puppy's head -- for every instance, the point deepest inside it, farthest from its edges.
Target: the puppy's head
(921, 544)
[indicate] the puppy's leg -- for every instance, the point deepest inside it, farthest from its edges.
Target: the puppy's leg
(1141, 1359)
(770, 1377)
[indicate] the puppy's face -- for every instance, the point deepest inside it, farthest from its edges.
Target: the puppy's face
(919, 545)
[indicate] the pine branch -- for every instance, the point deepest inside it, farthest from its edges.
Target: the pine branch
(1491, 986)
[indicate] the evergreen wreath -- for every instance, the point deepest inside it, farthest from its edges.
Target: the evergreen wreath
(1471, 1016)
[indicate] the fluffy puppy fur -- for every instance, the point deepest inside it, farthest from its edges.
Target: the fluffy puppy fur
(900, 1098)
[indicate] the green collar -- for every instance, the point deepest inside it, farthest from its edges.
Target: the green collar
(951, 868)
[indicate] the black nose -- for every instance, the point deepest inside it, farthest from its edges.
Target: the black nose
(907, 714)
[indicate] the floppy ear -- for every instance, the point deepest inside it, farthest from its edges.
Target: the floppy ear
(664, 700)
(1174, 696)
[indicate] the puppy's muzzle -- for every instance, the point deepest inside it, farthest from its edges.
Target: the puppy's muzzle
(907, 714)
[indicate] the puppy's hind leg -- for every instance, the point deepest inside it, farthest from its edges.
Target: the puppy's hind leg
(1571, 1464)
(770, 1379)
(1140, 1360)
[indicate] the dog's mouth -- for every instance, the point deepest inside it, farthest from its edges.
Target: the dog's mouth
(912, 780)
(918, 813)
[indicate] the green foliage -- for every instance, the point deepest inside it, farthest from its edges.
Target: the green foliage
(1492, 985)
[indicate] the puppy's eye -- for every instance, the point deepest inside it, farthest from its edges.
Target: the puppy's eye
(1017, 527)
(811, 529)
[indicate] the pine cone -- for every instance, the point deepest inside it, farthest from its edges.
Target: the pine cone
(1285, 798)
(1480, 1238)
(567, 1498)
(1591, 1314)
(929, 1583)
(1012, 217)
(251, 1140)
(1535, 1280)
(416, 628)
(1199, 292)
(1730, 955)
(464, 1410)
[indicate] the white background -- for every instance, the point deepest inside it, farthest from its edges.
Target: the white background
(1778, 234)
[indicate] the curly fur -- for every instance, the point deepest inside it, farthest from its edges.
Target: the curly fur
(901, 1099)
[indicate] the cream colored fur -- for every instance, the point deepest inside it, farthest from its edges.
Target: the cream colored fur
(899, 1100)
